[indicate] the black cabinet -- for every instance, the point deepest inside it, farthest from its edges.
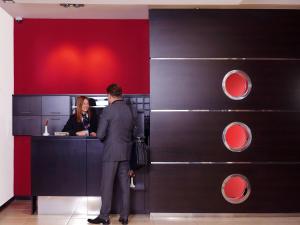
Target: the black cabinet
(27, 125)
(55, 123)
(56, 105)
(27, 111)
(30, 113)
(58, 166)
(27, 105)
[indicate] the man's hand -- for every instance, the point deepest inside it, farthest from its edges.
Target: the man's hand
(131, 173)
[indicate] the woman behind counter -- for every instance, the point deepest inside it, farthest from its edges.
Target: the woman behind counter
(82, 122)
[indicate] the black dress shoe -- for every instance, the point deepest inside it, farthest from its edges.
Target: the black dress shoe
(123, 221)
(98, 220)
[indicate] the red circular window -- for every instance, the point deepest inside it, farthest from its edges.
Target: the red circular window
(236, 188)
(237, 136)
(236, 84)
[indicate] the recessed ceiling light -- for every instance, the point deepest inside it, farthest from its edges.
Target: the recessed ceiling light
(6, 1)
(68, 5)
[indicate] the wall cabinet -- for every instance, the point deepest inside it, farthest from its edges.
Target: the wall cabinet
(27, 125)
(31, 112)
(27, 105)
(56, 105)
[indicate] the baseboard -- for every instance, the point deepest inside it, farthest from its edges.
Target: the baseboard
(23, 198)
(154, 216)
(7, 203)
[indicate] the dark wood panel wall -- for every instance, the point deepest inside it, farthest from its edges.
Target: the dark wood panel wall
(225, 33)
(191, 52)
(197, 84)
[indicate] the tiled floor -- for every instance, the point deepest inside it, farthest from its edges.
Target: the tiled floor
(19, 213)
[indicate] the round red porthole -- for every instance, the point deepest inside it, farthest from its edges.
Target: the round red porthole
(237, 136)
(236, 188)
(236, 84)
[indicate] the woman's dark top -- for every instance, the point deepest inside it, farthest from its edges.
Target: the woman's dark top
(72, 126)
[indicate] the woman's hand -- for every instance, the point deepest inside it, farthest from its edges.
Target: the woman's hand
(81, 133)
(93, 134)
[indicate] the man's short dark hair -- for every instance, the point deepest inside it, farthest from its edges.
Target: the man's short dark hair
(114, 90)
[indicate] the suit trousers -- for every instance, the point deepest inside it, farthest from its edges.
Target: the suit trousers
(111, 171)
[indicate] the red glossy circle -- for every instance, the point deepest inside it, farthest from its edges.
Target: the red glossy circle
(236, 84)
(235, 188)
(236, 137)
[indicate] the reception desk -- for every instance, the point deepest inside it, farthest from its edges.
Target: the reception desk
(71, 166)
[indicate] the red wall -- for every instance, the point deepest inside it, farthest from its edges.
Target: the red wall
(76, 57)
(22, 178)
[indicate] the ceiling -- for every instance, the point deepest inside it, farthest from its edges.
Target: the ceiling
(126, 9)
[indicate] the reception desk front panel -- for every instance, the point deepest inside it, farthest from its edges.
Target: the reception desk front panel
(71, 166)
(58, 166)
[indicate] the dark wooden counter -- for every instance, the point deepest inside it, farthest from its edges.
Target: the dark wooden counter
(71, 166)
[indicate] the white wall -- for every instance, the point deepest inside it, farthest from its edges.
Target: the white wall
(6, 91)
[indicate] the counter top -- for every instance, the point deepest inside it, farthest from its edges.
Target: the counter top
(63, 137)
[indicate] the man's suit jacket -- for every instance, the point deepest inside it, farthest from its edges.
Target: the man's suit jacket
(115, 129)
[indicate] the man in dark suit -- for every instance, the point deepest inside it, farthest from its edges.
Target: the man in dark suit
(115, 129)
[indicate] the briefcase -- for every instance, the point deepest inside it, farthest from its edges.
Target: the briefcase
(139, 154)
